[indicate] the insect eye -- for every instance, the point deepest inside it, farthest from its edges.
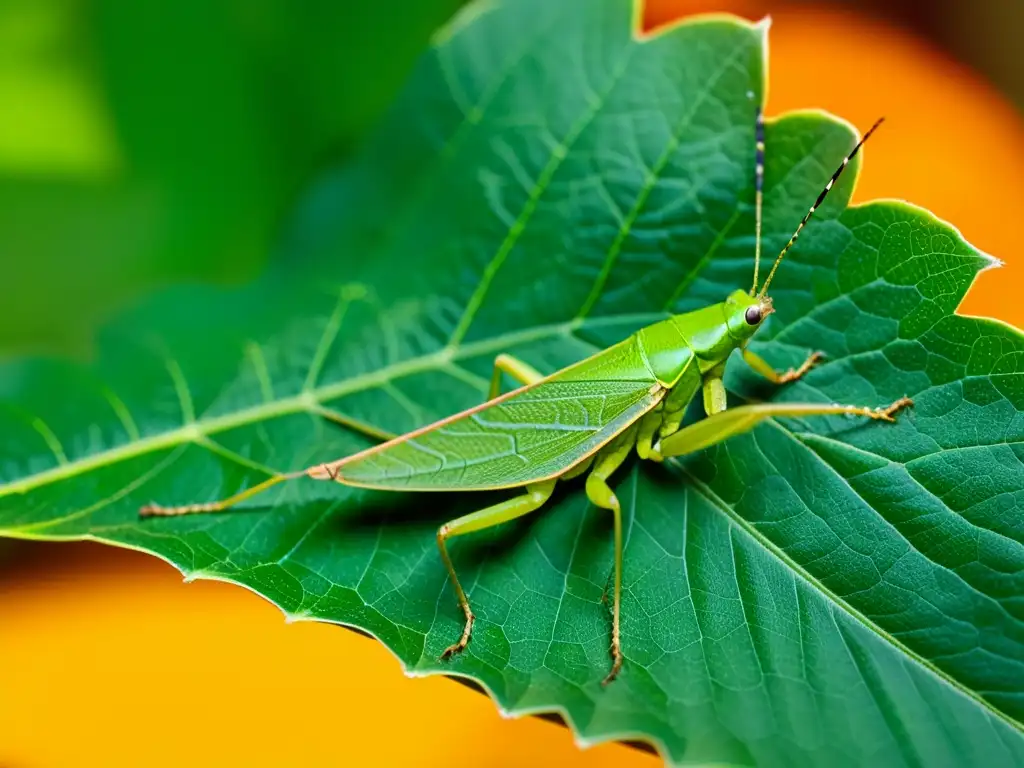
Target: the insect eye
(753, 315)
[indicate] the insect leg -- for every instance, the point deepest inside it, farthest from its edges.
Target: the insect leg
(530, 501)
(578, 470)
(649, 426)
(674, 412)
(356, 425)
(734, 421)
(671, 419)
(156, 510)
(714, 402)
(514, 367)
(714, 393)
(608, 460)
(761, 365)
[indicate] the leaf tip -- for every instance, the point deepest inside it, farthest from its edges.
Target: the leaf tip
(991, 262)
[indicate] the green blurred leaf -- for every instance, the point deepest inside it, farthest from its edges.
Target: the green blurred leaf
(151, 143)
(820, 591)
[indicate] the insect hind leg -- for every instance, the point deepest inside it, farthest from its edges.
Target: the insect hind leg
(353, 424)
(534, 498)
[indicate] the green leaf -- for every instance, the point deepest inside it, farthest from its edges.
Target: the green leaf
(819, 591)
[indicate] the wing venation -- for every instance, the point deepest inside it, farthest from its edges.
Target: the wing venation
(530, 434)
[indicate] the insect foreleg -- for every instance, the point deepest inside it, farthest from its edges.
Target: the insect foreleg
(608, 460)
(497, 514)
(734, 421)
(514, 367)
(761, 365)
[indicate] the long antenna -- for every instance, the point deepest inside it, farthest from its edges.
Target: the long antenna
(821, 197)
(758, 192)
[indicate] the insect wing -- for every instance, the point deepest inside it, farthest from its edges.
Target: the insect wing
(533, 433)
(541, 432)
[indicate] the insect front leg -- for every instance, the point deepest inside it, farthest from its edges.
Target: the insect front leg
(522, 372)
(761, 365)
(489, 517)
(601, 495)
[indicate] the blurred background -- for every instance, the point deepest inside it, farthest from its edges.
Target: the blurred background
(143, 144)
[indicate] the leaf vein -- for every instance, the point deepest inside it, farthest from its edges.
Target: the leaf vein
(556, 157)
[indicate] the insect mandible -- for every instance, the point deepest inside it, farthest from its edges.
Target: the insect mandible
(632, 395)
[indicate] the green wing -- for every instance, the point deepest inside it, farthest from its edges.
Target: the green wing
(530, 434)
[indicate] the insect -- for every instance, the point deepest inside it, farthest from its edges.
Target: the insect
(586, 418)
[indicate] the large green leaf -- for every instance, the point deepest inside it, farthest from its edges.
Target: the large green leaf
(819, 590)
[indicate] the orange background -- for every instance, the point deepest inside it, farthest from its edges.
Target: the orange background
(110, 660)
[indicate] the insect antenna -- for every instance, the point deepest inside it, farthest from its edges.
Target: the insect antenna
(821, 197)
(758, 192)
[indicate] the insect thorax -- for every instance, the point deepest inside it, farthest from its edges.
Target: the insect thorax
(707, 335)
(666, 352)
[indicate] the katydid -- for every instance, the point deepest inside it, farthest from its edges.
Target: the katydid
(584, 419)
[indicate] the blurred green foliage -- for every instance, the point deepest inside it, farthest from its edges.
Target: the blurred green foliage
(145, 143)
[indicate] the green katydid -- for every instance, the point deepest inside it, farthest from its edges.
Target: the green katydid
(584, 419)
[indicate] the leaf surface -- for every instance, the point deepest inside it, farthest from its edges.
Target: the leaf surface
(817, 591)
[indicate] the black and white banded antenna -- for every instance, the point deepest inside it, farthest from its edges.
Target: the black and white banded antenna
(821, 197)
(758, 192)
